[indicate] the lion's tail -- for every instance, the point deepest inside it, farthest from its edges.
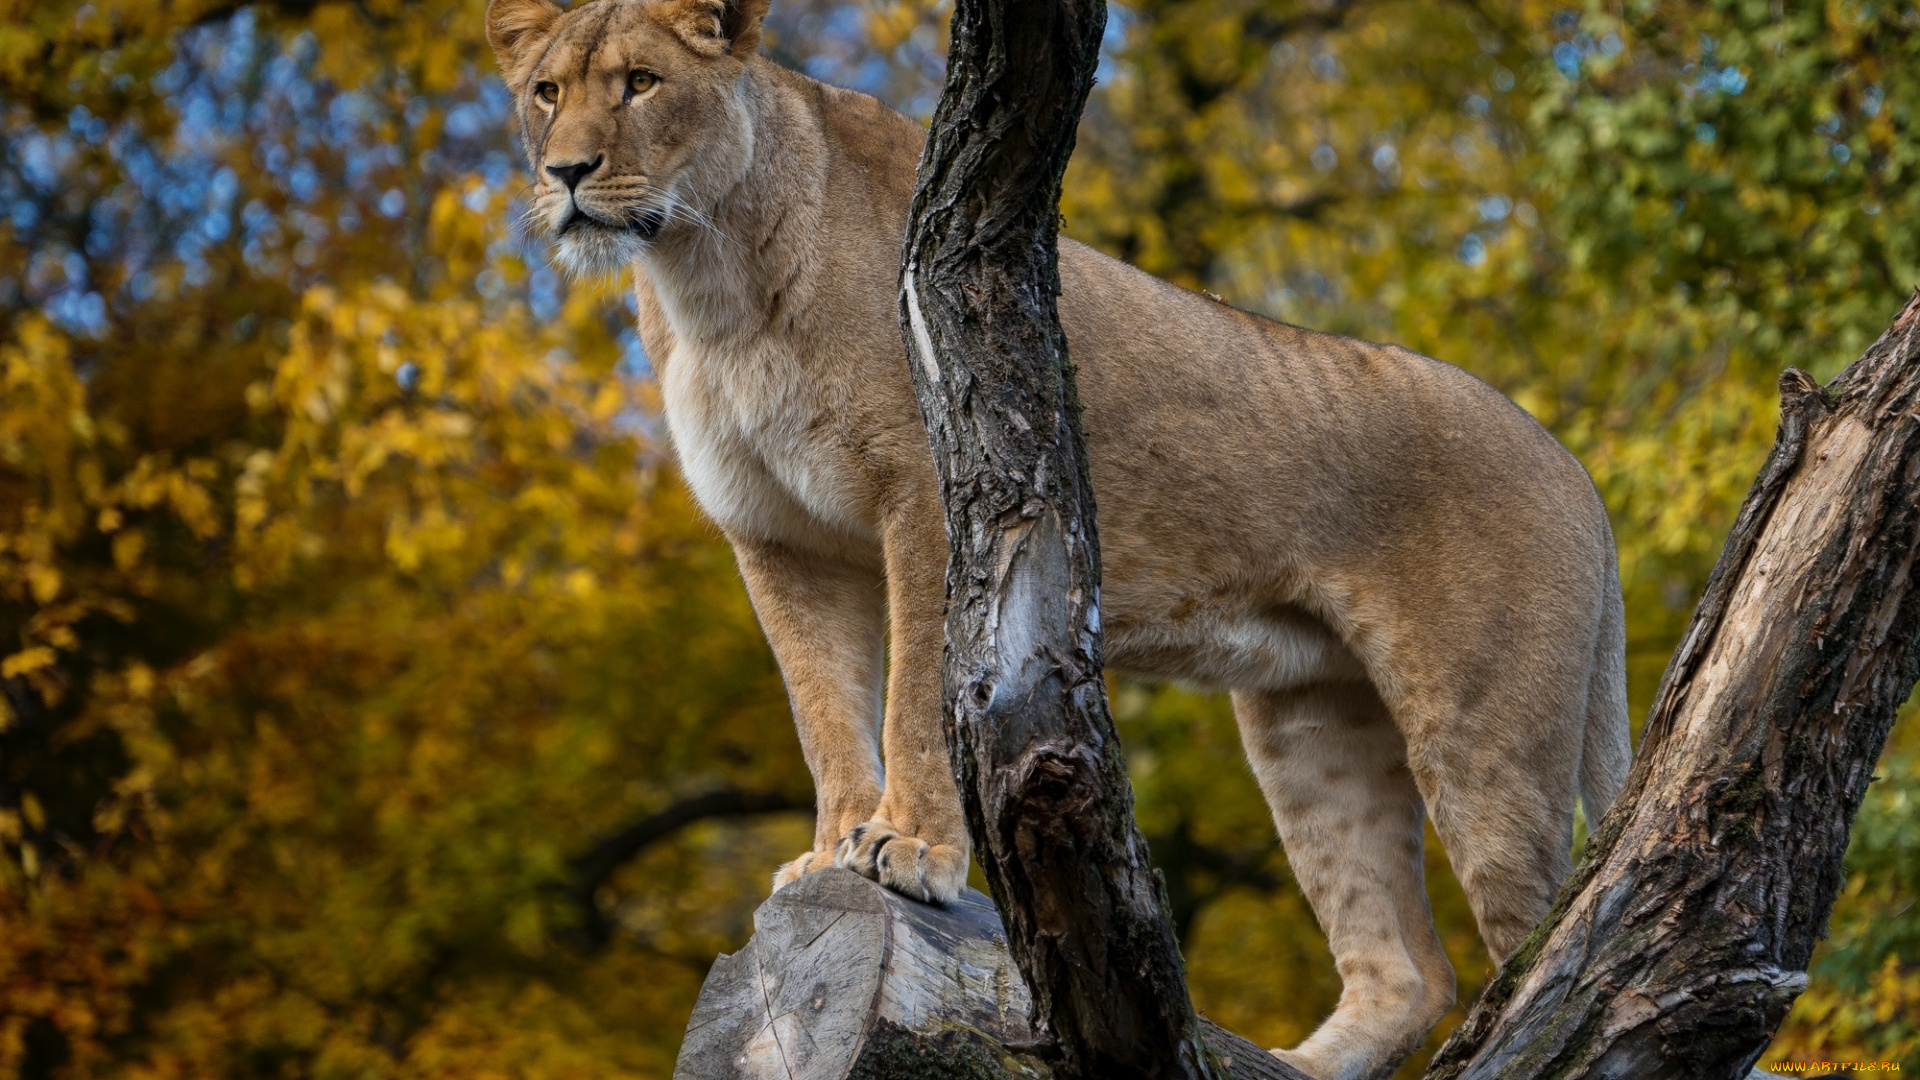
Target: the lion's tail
(1606, 749)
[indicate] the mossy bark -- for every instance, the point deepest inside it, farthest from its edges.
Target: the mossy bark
(899, 1053)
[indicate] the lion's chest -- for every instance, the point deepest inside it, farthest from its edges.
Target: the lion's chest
(760, 447)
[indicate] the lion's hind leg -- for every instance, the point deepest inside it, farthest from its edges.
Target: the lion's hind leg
(1333, 768)
(1497, 760)
(1504, 810)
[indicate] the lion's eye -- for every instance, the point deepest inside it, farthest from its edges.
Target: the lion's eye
(641, 81)
(546, 92)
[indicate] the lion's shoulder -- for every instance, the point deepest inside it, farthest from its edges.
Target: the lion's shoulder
(860, 126)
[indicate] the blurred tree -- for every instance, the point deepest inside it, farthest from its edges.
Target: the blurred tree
(349, 609)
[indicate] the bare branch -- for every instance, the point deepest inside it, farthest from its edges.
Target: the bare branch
(592, 869)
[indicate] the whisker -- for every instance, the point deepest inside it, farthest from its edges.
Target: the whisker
(675, 205)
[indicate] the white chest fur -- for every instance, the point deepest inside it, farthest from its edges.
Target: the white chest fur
(757, 443)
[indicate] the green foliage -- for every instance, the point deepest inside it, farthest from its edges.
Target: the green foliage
(347, 599)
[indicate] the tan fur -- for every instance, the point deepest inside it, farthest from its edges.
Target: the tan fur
(1406, 583)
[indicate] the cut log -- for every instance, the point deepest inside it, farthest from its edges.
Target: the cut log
(845, 979)
(840, 972)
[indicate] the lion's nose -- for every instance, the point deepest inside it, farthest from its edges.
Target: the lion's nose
(573, 172)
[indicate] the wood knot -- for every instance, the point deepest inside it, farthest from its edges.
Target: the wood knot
(1055, 770)
(1795, 383)
(1058, 782)
(981, 692)
(1799, 393)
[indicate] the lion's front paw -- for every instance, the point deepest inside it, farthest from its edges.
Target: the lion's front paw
(932, 873)
(800, 867)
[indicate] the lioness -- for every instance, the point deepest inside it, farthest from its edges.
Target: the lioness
(1408, 586)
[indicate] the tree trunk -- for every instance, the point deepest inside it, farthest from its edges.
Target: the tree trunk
(1039, 768)
(1684, 935)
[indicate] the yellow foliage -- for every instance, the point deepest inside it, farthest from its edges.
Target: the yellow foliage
(347, 597)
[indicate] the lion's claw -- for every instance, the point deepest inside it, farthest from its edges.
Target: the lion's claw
(910, 866)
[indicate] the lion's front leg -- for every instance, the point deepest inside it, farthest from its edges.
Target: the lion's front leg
(824, 622)
(916, 842)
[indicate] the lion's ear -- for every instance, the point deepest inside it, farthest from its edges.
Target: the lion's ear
(741, 24)
(513, 26)
(716, 27)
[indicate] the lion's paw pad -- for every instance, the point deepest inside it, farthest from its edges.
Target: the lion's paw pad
(910, 866)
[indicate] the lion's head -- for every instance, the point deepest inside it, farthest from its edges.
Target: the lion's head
(633, 113)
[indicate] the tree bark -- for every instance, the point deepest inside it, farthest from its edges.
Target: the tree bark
(1046, 793)
(1683, 937)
